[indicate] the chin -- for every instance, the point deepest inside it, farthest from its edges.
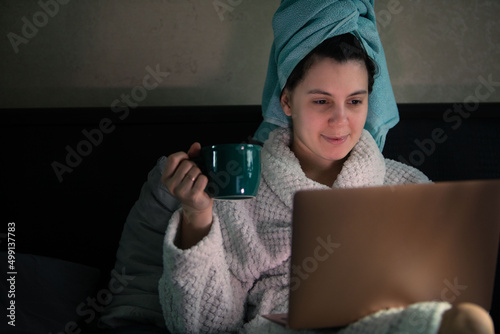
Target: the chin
(337, 156)
(338, 153)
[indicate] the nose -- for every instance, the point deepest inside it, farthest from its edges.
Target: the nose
(338, 114)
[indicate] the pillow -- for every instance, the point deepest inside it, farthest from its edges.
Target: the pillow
(49, 295)
(139, 256)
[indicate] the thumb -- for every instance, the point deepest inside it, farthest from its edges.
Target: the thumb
(194, 150)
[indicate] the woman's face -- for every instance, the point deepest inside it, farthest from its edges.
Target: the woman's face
(328, 109)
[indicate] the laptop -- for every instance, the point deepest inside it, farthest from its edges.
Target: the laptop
(358, 251)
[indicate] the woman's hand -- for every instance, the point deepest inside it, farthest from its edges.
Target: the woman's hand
(184, 180)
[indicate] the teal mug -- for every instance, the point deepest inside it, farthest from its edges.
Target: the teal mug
(233, 170)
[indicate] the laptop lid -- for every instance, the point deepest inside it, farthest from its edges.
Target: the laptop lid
(357, 251)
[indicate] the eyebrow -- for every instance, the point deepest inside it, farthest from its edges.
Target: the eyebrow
(319, 91)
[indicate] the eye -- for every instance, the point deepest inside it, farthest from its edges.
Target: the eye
(319, 101)
(355, 102)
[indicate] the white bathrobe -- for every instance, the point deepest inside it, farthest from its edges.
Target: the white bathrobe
(240, 269)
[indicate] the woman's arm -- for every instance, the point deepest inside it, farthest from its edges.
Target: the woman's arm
(183, 178)
(198, 292)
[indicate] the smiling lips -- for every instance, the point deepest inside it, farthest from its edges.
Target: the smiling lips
(335, 140)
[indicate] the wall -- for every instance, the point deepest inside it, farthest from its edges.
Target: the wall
(439, 50)
(100, 53)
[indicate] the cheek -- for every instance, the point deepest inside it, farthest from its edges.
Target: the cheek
(359, 119)
(308, 121)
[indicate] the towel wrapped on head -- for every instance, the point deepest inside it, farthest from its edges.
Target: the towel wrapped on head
(301, 25)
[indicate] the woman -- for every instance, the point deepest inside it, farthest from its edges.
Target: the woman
(225, 263)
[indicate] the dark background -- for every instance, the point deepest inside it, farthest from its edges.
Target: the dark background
(81, 218)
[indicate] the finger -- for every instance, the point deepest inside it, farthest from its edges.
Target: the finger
(172, 163)
(188, 186)
(192, 175)
(197, 198)
(184, 177)
(200, 183)
(194, 150)
(178, 176)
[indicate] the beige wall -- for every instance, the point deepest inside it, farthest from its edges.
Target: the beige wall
(441, 50)
(96, 52)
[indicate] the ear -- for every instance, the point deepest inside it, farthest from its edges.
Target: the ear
(286, 102)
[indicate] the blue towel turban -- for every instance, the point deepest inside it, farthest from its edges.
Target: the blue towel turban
(301, 25)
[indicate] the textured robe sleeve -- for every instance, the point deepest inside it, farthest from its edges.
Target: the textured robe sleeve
(198, 292)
